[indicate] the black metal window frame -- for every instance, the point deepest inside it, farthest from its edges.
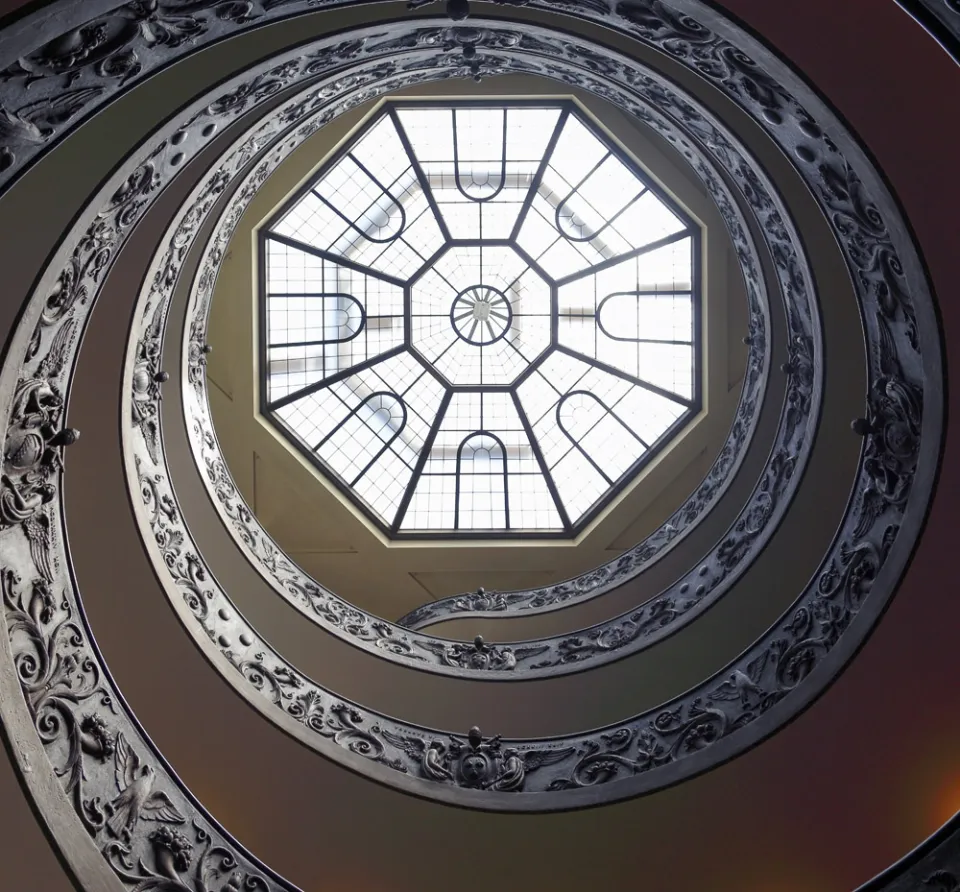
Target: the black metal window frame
(692, 231)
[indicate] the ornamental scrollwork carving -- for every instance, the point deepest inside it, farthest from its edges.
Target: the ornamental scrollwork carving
(691, 594)
(480, 656)
(476, 763)
(62, 680)
(145, 387)
(895, 408)
(740, 701)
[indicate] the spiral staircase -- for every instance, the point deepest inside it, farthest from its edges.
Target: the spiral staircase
(218, 673)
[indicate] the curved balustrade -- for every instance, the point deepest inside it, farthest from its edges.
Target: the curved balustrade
(59, 672)
(697, 589)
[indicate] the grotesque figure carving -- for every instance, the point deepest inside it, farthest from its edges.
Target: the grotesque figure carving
(145, 386)
(32, 453)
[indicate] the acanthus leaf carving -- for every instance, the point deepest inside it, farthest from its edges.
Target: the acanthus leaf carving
(680, 730)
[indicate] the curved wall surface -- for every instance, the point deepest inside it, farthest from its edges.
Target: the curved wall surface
(867, 772)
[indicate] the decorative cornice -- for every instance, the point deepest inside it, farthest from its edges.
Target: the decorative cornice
(59, 669)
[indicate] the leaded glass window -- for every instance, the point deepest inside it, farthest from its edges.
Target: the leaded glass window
(480, 318)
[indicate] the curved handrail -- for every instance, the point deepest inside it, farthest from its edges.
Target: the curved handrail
(940, 18)
(907, 317)
(735, 707)
(692, 592)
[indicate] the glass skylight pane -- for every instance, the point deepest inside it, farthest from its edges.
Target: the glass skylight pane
(668, 366)
(323, 318)
(312, 222)
(580, 485)
(377, 322)
(649, 414)
(529, 131)
(577, 151)
(381, 152)
(480, 134)
(647, 220)
(665, 269)
(531, 505)
(430, 131)
(612, 445)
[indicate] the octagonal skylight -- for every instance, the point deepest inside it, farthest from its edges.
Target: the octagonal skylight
(480, 319)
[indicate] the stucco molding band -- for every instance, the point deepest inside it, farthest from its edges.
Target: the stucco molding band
(696, 590)
(767, 686)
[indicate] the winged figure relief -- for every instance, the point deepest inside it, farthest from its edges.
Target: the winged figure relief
(432, 756)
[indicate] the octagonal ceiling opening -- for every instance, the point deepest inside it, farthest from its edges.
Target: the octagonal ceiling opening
(480, 319)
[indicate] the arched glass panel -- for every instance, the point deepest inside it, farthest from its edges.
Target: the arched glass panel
(480, 152)
(369, 429)
(482, 500)
(645, 317)
(366, 205)
(595, 203)
(338, 318)
(599, 434)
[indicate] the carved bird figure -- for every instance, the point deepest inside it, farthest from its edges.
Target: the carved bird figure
(137, 798)
(739, 686)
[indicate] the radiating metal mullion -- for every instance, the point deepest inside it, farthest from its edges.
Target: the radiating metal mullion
(421, 461)
(606, 225)
(335, 379)
(629, 255)
(335, 258)
(542, 462)
(418, 170)
(626, 376)
(541, 170)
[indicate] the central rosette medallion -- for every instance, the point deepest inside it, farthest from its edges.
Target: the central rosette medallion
(486, 333)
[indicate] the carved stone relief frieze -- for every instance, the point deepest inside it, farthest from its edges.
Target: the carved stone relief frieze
(102, 759)
(651, 101)
(663, 743)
